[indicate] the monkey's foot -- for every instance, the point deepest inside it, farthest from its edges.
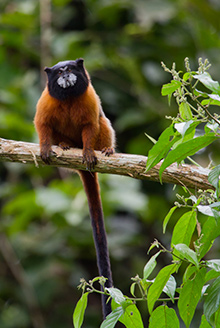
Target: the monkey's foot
(108, 151)
(89, 158)
(64, 145)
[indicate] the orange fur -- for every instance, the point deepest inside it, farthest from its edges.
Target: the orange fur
(80, 122)
(77, 122)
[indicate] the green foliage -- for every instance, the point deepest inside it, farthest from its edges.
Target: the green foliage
(78, 314)
(190, 291)
(164, 317)
(194, 232)
(158, 285)
(53, 244)
(177, 142)
(190, 295)
(212, 303)
(184, 229)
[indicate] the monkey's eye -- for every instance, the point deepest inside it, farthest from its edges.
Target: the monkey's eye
(60, 72)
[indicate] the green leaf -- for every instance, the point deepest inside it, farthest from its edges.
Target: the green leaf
(197, 93)
(78, 314)
(145, 283)
(187, 148)
(161, 148)
(116, 295)
(169, 98)
(215, 205)
(213, 264)
(184, 252)
(210, 275)
(212, 301)
(185, 111)
(169, 88)
(216, 215)
(132, 289)
(184, 228)
(167, 218)
(164, 317)
(210, 231)
(190, 295)
(131, 317)
(187, 76)
(211, 127)
(150, 265)
(111, 320)
(183, 127)
(213, 177)
(205, 209)
(204, 323)
(210, 102)
(189, 272)
(157, 287)
(187, 131)
(208, 82)
(154, 141)
(214, 97)
(170, 287)
(217, 319)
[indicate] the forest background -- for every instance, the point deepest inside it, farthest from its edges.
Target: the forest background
(44, 215)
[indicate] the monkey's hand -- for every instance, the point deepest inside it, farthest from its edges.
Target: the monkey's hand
(89, 158)
(45, 154)
(108, 151)
(64, 145)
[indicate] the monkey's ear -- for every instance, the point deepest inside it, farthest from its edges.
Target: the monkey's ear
(79, 62)
(47, 70)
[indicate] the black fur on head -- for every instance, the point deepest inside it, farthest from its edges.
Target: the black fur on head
(67, 79)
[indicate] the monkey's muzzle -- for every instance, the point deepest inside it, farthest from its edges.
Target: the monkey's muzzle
(67, 80)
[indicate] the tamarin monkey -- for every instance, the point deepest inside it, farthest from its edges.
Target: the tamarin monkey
(69, 114)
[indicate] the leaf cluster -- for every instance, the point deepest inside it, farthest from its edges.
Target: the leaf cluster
(194, 128)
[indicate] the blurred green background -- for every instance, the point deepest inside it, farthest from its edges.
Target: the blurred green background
(46, 243)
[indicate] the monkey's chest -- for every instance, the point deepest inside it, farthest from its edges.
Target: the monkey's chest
(67, 127)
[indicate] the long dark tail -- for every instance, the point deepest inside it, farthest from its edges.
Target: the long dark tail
(91, 186)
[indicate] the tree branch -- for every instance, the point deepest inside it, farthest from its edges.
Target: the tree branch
(122, 164)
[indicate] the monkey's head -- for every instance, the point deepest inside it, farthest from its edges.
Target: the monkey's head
(67, 79)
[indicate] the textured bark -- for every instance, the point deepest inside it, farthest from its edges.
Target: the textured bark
(122, 164)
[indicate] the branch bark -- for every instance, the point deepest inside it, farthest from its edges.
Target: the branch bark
(122, 164)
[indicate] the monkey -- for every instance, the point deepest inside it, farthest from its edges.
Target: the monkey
(69, 114)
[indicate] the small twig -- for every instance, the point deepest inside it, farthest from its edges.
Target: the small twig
(207, 112)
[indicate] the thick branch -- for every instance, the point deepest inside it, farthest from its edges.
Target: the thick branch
(121, 164)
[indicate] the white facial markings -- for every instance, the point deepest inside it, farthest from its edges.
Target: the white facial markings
(64, 69)
(72, 79)
(68, 80)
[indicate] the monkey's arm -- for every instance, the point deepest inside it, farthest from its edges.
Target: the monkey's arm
(89, 137)
(45, 140)
(42, 124)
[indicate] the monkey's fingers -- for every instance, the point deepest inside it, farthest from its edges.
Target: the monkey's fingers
(89, 158)
(64, 145)
(46, 156)
(108, 151)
